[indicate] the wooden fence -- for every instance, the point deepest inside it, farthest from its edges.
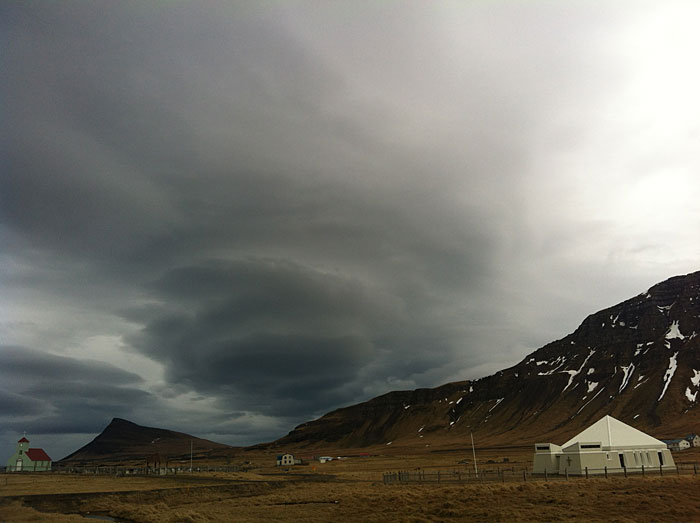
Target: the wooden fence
(120, 470)
(515, 474)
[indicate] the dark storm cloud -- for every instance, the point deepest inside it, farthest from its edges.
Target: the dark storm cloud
(279, 337)
(47, 393)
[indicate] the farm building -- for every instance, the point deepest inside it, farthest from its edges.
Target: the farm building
(609, 445)
(287, 459)
(676, 445)
(693, 439)
(28, 460)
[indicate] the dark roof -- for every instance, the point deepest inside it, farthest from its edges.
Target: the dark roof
(23, 440)
(38, 455)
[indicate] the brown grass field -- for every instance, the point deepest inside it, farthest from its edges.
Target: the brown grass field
(350, 490)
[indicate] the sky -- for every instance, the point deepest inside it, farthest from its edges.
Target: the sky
(229, 218)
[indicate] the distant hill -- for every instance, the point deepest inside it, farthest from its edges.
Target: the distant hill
(638, 361)
(124, 440)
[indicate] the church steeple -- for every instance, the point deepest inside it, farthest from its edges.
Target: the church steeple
(23, 444)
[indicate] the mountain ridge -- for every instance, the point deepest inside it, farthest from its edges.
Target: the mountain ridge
(643, 352)
(125, 440)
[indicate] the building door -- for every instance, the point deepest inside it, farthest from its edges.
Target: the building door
(622, 460)
(18, 465)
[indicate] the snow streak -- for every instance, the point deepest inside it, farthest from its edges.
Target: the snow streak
(628, 374)
(672, 366)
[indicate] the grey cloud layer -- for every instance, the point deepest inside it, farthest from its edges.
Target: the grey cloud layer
(289, 208)
(47, 393)
(281, 338)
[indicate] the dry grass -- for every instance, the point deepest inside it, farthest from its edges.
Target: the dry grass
(348, 490)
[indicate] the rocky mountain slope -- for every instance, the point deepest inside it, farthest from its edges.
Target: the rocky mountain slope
(124, 440)
(638, 361)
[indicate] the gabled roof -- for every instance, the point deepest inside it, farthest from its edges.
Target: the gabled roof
(37, 455)
(611, 432)
(23, 440)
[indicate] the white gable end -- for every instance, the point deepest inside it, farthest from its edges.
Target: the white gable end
(613, 433)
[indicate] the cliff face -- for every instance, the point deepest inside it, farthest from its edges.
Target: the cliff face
(638, 361)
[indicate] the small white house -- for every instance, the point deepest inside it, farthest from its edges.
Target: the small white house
(325, 459)
(607, 445)
(287, 459)
(677, 445)
(693, 439)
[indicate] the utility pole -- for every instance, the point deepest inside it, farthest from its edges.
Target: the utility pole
(476, 470)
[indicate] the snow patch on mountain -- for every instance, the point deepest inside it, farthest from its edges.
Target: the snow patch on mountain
(594, 397)
(573, 373)
(626, 377)
(496, 405)
(674, 332)
(672, 366)
(695, 380)
(666, 309)
(691, 397)
(560, 360)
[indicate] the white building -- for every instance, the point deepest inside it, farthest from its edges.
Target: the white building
(609, 445)
(693, 439)
(287, 459)
(677, 445)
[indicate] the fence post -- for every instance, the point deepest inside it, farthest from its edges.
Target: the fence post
(586, 472)
(625, 470)
(678, 471)
(524, 476)
(438, 476)
(545, 474)
(567, 473)
(695, 468)
(661, 469)
(606, 472)
(642, 470)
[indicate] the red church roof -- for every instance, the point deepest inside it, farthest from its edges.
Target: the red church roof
(38, 455)
(23, 440)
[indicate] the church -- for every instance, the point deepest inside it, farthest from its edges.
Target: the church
(608, 445)
(28, 460)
